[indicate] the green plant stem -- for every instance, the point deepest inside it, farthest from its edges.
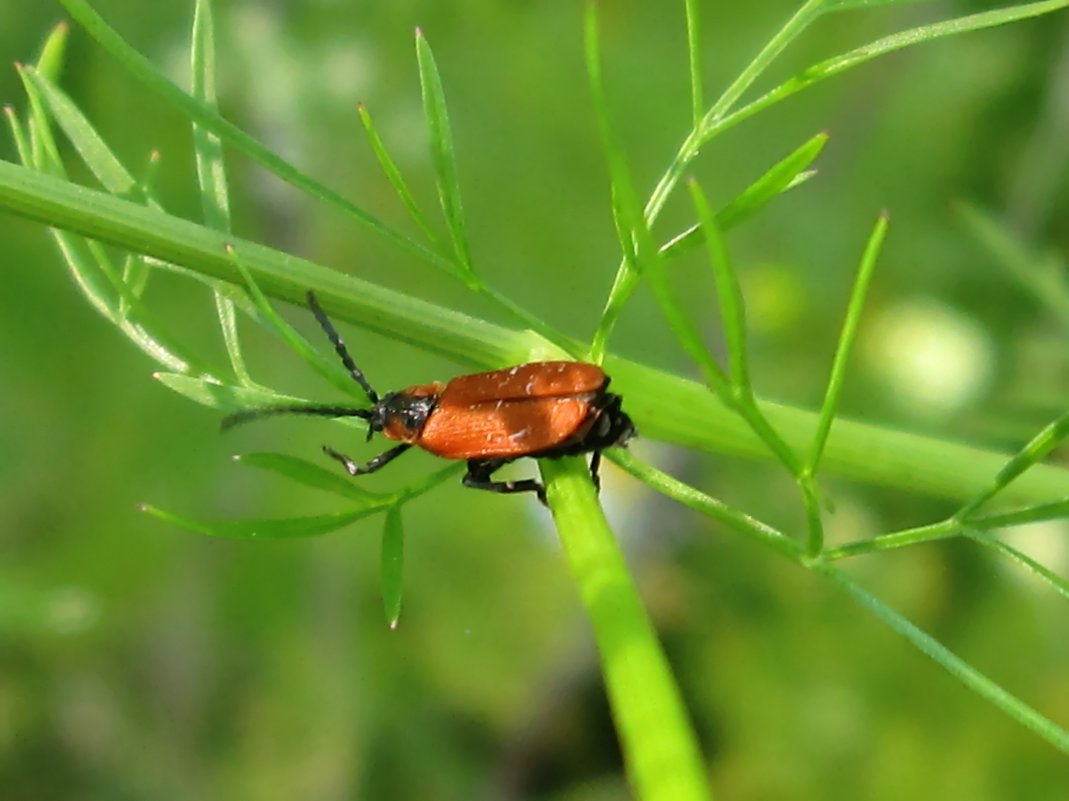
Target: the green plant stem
(665, 407)
(658, 742)
(897, 539)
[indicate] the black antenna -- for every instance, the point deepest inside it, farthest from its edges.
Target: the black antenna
(245, 415)
(339, 346)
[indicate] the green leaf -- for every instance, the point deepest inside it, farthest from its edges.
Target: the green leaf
(717, 123)
(392, 564)
(847, 5)
(951, 662)
(1044, 281)
(92, 149)
(1017, 517)
(209, 119)
(277, 528)
(1052, 435)
(728, 292)
(636, 240)
(54, 52)
(226, 397)
(846, 342)
(211, 171)
(310, 475)
(404, 318)
(393, 175)
(443, 156)
(782, 176)
(1044, 574)
(87, 261)
(326, 367)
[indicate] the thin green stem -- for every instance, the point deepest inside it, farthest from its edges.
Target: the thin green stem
(706, 504)
(951, 662)
(898, 539)
(657, 739)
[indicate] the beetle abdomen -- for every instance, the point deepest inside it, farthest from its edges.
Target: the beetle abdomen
(505, 428)
(533, 380)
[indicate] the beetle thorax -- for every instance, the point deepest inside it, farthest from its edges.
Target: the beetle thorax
(401, 415)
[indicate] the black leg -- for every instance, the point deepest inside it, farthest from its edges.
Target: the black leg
(595, 465)
(480, 470)
(376, 463)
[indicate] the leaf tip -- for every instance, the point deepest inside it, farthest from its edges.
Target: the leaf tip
(393, 624)
(419, 33)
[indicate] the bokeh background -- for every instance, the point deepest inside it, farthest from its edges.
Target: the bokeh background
(141, 661)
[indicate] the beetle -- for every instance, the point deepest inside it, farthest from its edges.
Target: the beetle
(538, 410)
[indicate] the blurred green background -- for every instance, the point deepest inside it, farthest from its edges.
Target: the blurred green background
(141, 661)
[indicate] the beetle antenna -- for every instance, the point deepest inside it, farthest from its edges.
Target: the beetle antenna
(247, 415)
(339, 346)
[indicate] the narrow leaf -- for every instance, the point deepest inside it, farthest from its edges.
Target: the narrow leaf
(54, 52)
(87, 261)
(636, 240)
(90, 146)
(211, 171)
(728, 292)
(207, 146)
(393, 175)
(326, 367)
(1052, 435)
(953, 664)
(846, 5)
(201, 113)
(1018, 517)
(443, 155)
(1044, 574)
(308, 474)
(846, 342)
(276, 528)
(716, 123)
(783, 175)
(392, 564)
(1045, 282)
(226, 397)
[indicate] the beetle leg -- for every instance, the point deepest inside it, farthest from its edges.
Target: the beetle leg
(595, 464)
(478, 477)
(376, 463)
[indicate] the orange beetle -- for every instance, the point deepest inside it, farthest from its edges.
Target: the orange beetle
(541, 409)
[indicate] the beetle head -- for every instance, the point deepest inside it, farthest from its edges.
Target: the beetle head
(401, 415)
